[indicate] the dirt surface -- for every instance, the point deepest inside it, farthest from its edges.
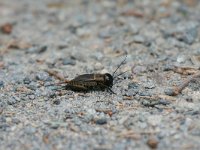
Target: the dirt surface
(162, 42)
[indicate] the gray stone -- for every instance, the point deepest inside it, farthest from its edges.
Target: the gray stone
(101, 121)
(1, 84)
(69, 61)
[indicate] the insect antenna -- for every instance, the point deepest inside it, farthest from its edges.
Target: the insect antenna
(121, 74)
(119, 67)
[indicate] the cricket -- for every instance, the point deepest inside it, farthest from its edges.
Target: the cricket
(90, 82)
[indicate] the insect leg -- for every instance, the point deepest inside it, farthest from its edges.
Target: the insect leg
(108, 88)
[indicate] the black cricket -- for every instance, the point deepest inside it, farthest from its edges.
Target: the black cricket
(90, 82)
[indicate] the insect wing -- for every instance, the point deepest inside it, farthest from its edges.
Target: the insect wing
(84, 78)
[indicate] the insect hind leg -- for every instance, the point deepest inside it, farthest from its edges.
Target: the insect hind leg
(111, 91)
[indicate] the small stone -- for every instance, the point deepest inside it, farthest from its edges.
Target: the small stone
(42, 49)
(1, 84)
(152, 143)
(104, 34)
(169, 91)
(168, 67)
(78, 55)
(2, 119)
(182, 58)
(72, 29)
(11, 101)
(54, 125)
(154, 120)
(32, 97)
(133, 28)
(56, 102)
(42, 76)
(15, 120)
(189, 36)
(4, 126)
(139, 39)
(133, 86)
(37, 49)
(189, 99)
(144, 93)
(149, 103)
(101, 121)
(51, 94)
(8, 119)
(77, 121)
(68, 61)
(32, 86)
(88, 118)
(27, 80)
(195, 60)
(164, 102)
(98, 66)
(149, 85)
(131, 92)
(138, 69)
(97, 56)
(30, 130)
(6, 28)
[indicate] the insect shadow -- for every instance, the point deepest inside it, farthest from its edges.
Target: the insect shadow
(90, 82)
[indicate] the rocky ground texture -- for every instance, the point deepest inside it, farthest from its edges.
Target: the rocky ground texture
(162, 42)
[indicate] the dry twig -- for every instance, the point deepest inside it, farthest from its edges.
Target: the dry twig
(178, 89)
(57, 76)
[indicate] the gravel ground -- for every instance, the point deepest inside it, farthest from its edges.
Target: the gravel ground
(162, 42)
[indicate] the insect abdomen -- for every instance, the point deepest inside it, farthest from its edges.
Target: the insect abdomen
(82, 86)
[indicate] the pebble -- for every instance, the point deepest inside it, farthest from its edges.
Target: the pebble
(77, 121)
(97, 56)
(149, 103)
(149, 85)
(32, 86)
(133, 85)
(31, 97)
(68, 61)
(131, 92)
(139, 39)
(56, 102)
(15, 121)
(164, 102)
(98, 66)
(1, 84)
(169, 91)
(42, 76)
(54, 125)
(154, 120)
(11, 101)
(189, 35)
(2, 119)
(138, 69)
(27, 80)
(106, 33)
(168, 67)
(4, 126)
(133, 28)
(88, 118)
(51, 94)
(152, 143)
(182, 58)
(30, 130)
(101, 121)
(37, 49)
